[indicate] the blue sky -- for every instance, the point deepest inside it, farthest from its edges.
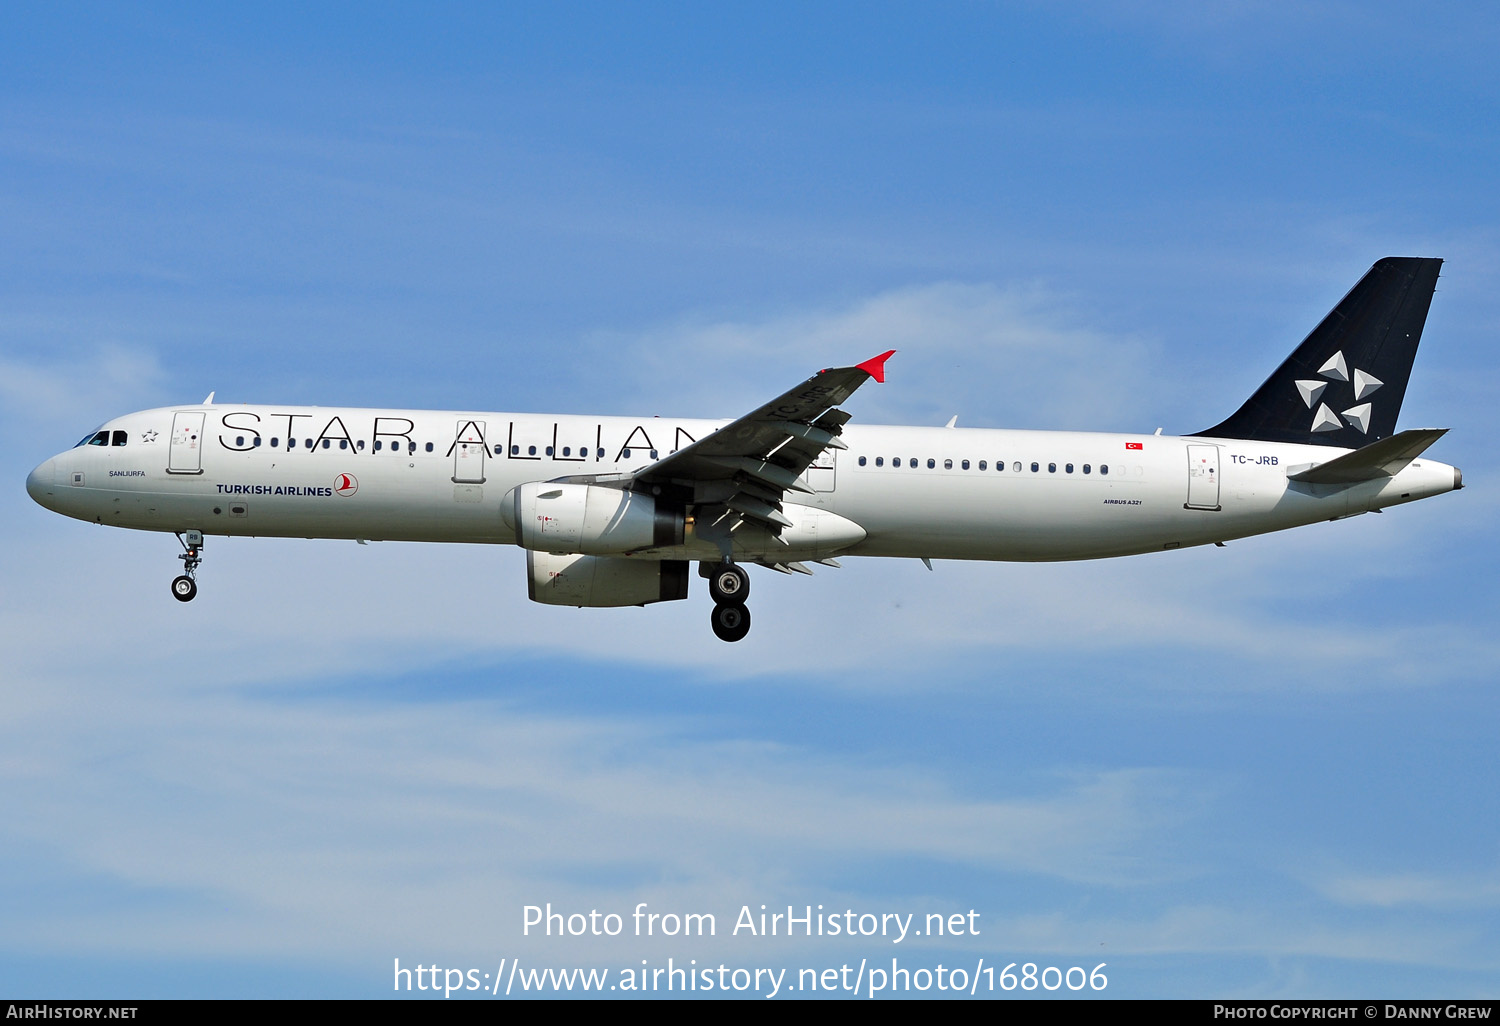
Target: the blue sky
(1259, 771)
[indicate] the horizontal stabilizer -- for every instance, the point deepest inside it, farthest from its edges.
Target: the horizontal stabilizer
(1385, 458)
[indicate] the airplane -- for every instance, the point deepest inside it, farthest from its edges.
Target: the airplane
(613, 510)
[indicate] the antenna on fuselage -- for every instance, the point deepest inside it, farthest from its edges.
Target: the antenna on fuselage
(210, 400)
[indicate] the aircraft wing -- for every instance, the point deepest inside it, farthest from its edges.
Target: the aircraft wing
(749, 465)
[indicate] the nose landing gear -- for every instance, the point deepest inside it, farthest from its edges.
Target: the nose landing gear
(730, 587)
(185, 587)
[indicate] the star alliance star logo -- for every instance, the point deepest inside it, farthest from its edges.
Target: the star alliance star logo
(148, 436)
(1336, 369)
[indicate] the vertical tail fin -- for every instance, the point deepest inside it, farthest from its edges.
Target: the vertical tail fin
(1344, 384)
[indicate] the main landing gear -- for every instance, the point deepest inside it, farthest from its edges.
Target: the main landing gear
(185, 587)
(730, 587)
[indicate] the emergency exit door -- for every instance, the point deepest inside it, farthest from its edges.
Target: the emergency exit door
(469, 452)
(821, 476)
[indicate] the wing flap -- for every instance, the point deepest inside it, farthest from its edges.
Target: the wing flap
(757, 509)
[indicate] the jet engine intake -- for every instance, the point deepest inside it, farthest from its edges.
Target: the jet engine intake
(588, 519)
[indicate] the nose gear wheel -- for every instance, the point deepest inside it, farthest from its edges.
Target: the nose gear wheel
(185, 586)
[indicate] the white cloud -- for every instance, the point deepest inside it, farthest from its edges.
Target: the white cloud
(95, 383)
(290, 827)
(1452, 891)
(1011, 357)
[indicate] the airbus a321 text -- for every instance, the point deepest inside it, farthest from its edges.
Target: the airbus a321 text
(612, 511)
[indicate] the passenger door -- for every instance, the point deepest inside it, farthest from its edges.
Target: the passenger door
(185, 454)
(1203, 477)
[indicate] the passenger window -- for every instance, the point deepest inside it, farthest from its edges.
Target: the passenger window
(985, 465)
(343, 443)
(912, 462)
(499, 450)
(966, 464)
(601, 455)
(120, 438)
(309, 442)
(947, 464)
(239, 442)
(257, 441)
(327, 443)
(1104, 468)
(1087, 468)
(1052, 468)
(273, 443)
(361, 445)
(861, 461)
(880, 461)
(896, 462)
(515, 450)
(653, 454)
(1069, 468)
(378, 444)
(1016, 466)
(429, 446)
(931, 464)
(530, 449)
(549, 450)
(625, 454)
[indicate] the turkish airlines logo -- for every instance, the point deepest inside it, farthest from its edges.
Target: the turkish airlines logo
(346, 484)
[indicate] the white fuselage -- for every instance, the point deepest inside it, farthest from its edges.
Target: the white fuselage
(952, 493)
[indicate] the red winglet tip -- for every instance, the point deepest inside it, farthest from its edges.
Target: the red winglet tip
(875, 367)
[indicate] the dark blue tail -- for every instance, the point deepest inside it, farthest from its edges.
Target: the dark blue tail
(1344, 384)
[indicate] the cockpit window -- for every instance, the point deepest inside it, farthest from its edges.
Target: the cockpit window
(98, 438)
(118, 438)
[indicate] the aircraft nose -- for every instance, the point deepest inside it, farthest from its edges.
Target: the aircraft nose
(39, 481)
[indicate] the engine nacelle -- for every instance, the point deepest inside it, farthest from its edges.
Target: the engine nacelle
(588, 519)
(573, 580)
